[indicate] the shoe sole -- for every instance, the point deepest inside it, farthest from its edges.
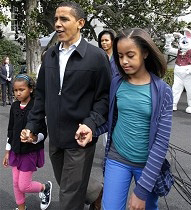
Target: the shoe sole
(50, 195)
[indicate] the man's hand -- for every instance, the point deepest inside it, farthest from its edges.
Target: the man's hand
(83, 135)
(6, 159)
(135, 203)
(27, 136)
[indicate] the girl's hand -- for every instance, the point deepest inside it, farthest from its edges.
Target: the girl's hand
(33, 138)
(135, 203)
(6, 159)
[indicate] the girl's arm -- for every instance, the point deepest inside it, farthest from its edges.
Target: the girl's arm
(6, 159)
(40, 137)
(158, 150)
(102, 129)
(10, 126)
(8, 146)
(9, 138)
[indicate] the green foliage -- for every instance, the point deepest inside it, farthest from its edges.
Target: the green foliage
(158, 17)
(8, 48)
(169, 77)
(3, 18)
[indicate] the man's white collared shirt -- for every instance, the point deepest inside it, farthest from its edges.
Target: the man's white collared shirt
(64, 55)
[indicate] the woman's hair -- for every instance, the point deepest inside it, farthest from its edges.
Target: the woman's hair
(77, 11)
(28, 80)
(109, 32)
(4, 58)
(155, 61)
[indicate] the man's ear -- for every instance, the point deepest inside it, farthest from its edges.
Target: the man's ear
(81, 23)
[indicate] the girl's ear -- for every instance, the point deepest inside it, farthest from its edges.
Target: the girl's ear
(145, 55)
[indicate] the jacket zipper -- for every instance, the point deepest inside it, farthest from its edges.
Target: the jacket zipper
(59, 93)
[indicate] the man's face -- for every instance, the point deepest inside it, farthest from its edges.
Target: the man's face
(67, 26)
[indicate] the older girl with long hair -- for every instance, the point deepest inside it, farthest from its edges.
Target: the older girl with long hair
(139, 122)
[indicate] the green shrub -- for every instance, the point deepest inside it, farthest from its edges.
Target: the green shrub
(169, 77)
(13, 51)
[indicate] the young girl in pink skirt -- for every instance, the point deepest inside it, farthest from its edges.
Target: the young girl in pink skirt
(25, 156)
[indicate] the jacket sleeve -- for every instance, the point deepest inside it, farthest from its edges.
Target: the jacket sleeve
(98, 114)
(37, 114)
(10, 125)
(159, 148)
(42, 135)
(43, 128)
(1, 74)
(101, 130)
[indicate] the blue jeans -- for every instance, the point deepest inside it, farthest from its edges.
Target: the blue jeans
(117, 181)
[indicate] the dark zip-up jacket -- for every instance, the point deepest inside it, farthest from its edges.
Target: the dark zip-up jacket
(83, 97)
(17, 122)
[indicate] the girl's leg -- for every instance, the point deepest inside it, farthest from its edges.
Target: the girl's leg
(152, 199)
(19, 196)
(26, 185)
(117, 180)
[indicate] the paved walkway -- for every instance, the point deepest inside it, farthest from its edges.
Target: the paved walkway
(181, 136)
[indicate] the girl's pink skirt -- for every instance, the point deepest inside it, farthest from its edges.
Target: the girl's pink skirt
(27, 162)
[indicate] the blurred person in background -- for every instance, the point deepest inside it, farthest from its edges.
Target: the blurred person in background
(6, 80)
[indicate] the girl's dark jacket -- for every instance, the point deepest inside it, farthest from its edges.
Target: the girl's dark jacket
(17, 122)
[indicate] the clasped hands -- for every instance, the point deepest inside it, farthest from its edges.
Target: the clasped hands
(27, 136)
(83, 135)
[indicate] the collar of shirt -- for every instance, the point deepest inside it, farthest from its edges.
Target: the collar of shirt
(72, 47)
(64, 55)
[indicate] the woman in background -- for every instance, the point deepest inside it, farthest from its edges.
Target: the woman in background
(105, 41)
(6, 78)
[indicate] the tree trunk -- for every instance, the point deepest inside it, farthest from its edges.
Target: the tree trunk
(33, 48)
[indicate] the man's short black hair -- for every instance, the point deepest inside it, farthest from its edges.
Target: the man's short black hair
(77, 10)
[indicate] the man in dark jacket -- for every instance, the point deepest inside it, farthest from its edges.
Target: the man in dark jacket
(72, 91)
